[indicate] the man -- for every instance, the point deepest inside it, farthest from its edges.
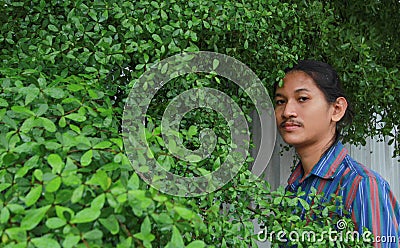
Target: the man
(310, 110)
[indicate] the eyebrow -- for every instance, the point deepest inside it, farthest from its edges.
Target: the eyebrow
(302, 89)
(296, 91)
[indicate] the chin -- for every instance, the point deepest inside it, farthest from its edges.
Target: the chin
(290, 140)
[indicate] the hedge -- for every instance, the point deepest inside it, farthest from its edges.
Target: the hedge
(66, 70)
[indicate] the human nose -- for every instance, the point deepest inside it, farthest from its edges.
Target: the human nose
(289, 110)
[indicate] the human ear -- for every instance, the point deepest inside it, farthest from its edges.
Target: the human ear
(339, 109)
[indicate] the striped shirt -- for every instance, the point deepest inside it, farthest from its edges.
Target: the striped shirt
(365, 194)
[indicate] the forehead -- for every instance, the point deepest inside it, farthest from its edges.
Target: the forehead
(297, 81)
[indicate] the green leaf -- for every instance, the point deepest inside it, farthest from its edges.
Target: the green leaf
(53, 185)
(192, 131)
(22, 110)
(86, 215)
(104, 16)
(62, 122)
(325, 212)
(52, 28)
(95, 94)
(33, 195)
(4, 186)
(102, 145)
(164, 15)
(98, 202)
(83, 140)
(203, 172)
(145, 231)
(48, 124)
(44, 242)
(113, 29)
(184, 212)
(345, 46)
(111, 224)
(155, 4)
(118, 158)
(4, 215)
(61, 210)
(16, 233)
(56, 93)
(90, 69)
(146, 226)
(93, 14)
(32, 162)
(8, 121)
(86, 158)
(118, 142)
(25, 147)
(31, 95)
(147, 238)
(127, 243)
(55, 162)
(176, 239)
(9, 159)
(93, 235)
(196, 244)
(139, 66)
(15, 208)
(162, 218)
(75, 128)
(55, 222)
(42, 109)
(134, 182)
(215, 64)
(71, 241)
(76, 87)
(304, 203)
(157, 38)
(33, 217)
(3, 103)
(277, 200)
(100, 178)
(193, 158)
(76, 117)
(77, 194)
(38, 174)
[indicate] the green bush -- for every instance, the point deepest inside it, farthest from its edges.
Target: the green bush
(66, 70)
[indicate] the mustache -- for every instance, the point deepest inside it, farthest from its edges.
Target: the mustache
(291, 122)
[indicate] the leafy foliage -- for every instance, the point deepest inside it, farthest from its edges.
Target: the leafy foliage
(359, 39)
(66, 68)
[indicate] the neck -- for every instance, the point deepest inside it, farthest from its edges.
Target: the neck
(311, 154)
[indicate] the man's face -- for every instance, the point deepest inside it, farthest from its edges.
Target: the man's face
(303, 115)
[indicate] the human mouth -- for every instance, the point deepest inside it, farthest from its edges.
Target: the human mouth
(290, 125)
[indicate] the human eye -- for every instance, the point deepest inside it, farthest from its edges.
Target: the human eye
(303, 99)
(279, 101)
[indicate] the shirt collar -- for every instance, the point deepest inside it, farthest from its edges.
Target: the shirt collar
(326, 167)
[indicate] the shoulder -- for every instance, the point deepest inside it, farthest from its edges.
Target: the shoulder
(362, 173)
(370, 200)
(362, 183)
